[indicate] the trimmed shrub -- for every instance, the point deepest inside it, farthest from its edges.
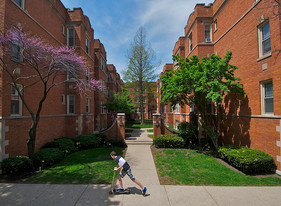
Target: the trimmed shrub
(168, 141)
(188, 132)
(16, 165)
(66, 145)
(247, 160)
(115, 143)
(47, 157)
(87, 141)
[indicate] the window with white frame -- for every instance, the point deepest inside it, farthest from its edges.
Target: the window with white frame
(63, 29)
(87, 75)
(177, 108)
(208, 33)
(87, 46)
(70, 104)
(87, 105)
(20, 3)
(216, 25)
(63, 99)
(102, 64)
(70, 36)
(267, 97)
(190, 41)
(264, 39)
(16, 102)
(17, 51)
(102, 108)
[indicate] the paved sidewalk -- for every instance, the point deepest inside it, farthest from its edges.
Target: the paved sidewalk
(140, 158)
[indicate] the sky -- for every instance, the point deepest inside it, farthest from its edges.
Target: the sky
(115, 23)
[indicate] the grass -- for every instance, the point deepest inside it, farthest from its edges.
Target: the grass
(188, 167)
(137, 125)
(94, 166)
(150, 130)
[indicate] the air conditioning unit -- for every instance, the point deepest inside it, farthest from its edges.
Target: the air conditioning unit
(207, 40)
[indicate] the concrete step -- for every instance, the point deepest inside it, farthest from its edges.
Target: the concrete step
(128, 142)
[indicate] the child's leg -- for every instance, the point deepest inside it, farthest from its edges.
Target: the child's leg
(120, 181)
(138, 183)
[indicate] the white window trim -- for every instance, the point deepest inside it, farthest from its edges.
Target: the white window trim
(261, 55)
(87, 45)
(262, 89)
(63, 99)
(205, 39)
(190, 45)
(19, 99)
(68, 28)
(22, 6)
(68, 96)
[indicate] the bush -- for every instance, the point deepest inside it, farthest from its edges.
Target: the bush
(66, 145)
(88, 141)
(188, 132)
(16, 165)
(247, 160)
(115, 143)
(168, 141)
(47, 157)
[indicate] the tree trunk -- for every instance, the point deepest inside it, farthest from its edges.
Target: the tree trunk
(31, 141)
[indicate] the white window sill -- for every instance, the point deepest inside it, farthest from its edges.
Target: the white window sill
(264, 57)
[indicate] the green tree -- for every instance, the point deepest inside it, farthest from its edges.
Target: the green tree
(202, 84)
(141, 67)
(121, 102)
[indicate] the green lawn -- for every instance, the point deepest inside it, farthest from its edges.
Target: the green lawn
(136, 125)
(150, 130)
(94, 166)
(188, 167)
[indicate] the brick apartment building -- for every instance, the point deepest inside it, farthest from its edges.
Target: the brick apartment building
(65, 112)
(149, 101)
(251, 30)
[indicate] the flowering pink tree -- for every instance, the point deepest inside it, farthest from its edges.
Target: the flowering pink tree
(45, 66)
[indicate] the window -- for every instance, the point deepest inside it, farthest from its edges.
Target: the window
(87, 75)
(102, 64)
(63, 99)
(165, 108)
(137, 100)
(102, 108)
(70, 104)
(20, 3)
(70, 36)
(87, 105)
(216, 25)
(190, 41)
(16, 102)
(102, 86)
(114, 79)
(267, 97)
(171, 109)
(264, 39)
(177, 109)
(17, 47)
(70, 75)
(108, 93)
(87, 46)
(63, 29)
(208, 33)
(108, 77)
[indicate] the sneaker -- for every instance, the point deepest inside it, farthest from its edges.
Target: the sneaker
(144, 191)
(120, 190)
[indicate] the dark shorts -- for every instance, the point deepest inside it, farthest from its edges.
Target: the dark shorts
(127, 172)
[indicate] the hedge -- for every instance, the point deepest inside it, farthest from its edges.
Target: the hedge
(247, 160)
(168, 141)
(16, 165)
(66, 145)
(47, 157)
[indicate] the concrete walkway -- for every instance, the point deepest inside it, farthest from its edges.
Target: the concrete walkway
(140, 158)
